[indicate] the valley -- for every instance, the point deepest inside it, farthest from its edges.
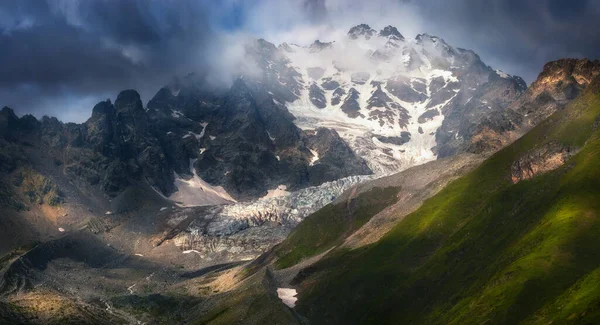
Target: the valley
(368, 179)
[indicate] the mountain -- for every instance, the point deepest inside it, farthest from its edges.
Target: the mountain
(511, 241)
(397, 102)
(559, 82)
(199, 205)
(304, 116)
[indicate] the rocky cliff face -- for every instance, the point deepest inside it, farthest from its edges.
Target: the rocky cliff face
(539, 161)
(559, 82)
(248, 143)
(240, 140)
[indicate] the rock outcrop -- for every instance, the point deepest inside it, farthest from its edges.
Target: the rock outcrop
(539, 161)
(559, 82)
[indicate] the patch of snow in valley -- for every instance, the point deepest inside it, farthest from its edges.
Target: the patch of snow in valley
(288, 296)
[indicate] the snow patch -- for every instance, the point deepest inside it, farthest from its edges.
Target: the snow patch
(314, 158)
(177, 114)
(502, 74)
(288, 296)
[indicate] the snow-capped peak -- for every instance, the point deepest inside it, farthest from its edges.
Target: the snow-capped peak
(362, 30)
(387, 96)
(391, 32)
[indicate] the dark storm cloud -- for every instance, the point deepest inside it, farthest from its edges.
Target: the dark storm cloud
(59, 57)
(520, 35)
(74, 50)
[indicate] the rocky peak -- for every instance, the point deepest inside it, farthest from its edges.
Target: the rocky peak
(559, 82)
(103, 109)
(363, 30)
(130, 110)
(7, 112)
(129, 100)
(581, 70)
(8, 121)
(265, 47)
(391, 32)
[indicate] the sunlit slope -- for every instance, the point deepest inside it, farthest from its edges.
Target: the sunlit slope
(484, 250)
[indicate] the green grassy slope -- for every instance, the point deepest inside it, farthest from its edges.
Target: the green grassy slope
(255, 302)
(331, 225)
(484, 250)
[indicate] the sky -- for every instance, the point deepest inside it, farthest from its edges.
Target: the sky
(60, 57)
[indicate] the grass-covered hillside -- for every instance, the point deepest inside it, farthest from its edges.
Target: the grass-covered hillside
(329, 226)
(484, 250)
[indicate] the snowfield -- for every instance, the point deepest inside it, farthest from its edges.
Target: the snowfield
(338, 66)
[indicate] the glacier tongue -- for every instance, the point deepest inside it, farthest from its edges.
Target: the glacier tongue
(246, 229)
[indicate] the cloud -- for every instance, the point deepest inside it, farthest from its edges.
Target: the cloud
(60, 56)
(57, 53)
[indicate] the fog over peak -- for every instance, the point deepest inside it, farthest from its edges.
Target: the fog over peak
(61, 57)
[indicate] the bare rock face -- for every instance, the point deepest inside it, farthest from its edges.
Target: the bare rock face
(391, 32)
(338, 93)
(559, 83)
(351, 106)
(317, 96)
(427, 115)
(362, 30)
(402, 88)
(329, 84)
(539, 161)
(335, 158)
